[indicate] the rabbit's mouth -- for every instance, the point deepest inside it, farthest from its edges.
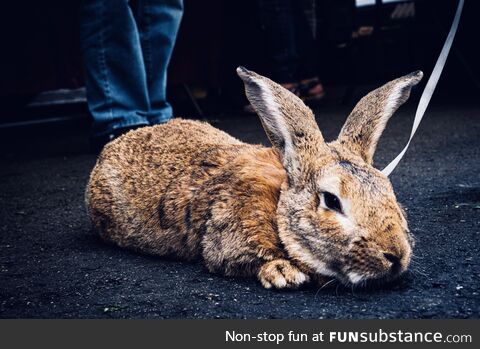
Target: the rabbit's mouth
(358, 279)
(363, 270)
(376, 275)
(371, 262)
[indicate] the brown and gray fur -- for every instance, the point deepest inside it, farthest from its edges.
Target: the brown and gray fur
(188, 190)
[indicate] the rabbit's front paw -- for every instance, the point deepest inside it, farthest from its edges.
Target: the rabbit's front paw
(280, 273)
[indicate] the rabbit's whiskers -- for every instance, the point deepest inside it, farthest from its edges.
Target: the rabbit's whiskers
(324, 285)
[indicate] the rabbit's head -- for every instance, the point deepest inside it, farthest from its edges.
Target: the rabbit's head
(337, 214)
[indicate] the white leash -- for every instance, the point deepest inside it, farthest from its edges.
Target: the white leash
(429, 88)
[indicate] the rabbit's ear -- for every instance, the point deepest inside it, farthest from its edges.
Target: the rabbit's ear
(289, 123)
(365, 124)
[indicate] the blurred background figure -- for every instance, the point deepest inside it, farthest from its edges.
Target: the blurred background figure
(350, 46)
(126, 48)
(290, 29)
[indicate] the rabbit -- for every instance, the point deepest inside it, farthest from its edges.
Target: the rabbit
(303, 210)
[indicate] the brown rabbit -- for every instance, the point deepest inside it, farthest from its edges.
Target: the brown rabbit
(302, 210)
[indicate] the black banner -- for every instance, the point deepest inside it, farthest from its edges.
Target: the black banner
(239, 333)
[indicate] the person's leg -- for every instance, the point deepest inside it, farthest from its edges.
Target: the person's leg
(305, 35)
(276, 19)
(305, 14)
(114, 69)
(158, 22)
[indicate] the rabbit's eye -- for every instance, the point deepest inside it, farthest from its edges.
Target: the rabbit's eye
(332, 202)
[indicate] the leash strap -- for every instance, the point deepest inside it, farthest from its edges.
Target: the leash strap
(429, 88)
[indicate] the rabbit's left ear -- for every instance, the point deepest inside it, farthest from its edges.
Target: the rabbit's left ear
(366, 122)
(289, 123)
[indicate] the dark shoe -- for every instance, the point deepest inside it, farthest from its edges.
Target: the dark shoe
(311, 90)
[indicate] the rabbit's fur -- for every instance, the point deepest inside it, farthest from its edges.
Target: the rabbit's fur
(188, 190)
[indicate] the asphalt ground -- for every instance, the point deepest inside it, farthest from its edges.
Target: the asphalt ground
(52, 265)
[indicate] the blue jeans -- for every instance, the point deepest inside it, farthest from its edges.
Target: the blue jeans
(127, 47)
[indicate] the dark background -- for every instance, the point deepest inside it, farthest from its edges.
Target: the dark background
(52, 265)
(40, 50)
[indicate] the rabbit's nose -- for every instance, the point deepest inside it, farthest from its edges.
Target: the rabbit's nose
(395, 260)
